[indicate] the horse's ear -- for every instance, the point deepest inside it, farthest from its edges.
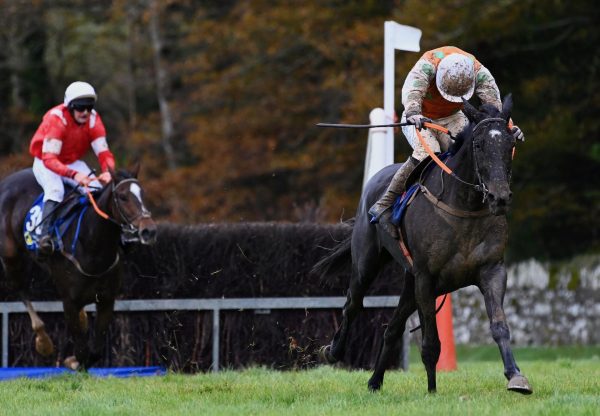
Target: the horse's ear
(471, 112)
(135, 168)
(507, 105)
(112, 172)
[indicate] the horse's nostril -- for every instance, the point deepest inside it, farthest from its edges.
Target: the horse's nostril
(491, 197)
(148, 235)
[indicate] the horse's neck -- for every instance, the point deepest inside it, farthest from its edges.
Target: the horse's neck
(99, 226)
(454, 192)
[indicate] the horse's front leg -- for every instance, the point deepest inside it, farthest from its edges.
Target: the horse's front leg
(79, 334)
(493, 286)
(393, 334)
(430, 345)
(104, 315)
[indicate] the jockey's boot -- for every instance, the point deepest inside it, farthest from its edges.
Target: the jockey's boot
(381, 210)
(46, 243)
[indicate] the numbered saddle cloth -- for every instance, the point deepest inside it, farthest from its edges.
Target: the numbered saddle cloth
(68, 211)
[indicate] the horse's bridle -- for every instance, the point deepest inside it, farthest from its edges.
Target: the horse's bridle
(129, 233)
(480, 186)
(476, 140)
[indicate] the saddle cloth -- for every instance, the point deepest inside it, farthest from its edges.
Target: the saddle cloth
(70, 209)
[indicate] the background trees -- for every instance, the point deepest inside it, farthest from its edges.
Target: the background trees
(219, 99)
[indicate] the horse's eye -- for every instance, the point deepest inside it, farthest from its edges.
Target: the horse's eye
(122, 197)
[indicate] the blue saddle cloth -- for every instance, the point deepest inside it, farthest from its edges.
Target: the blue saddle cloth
(64, 218)
(399, 208)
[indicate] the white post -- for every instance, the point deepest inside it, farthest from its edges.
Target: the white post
(380, 148)
(401, 37)
(375, 159)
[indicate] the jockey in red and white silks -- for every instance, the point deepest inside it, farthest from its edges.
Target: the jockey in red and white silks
(65, 135)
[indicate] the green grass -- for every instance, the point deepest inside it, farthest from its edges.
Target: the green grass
(563, 384)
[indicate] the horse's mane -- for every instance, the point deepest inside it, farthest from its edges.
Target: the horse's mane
(122, 174)
(466, 135)
(118, 176)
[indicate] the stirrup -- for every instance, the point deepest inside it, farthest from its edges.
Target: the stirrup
(376, 216)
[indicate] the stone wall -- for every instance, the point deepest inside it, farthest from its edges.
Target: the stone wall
(545, 304)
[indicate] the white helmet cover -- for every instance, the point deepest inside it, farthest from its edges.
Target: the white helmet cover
(79, 89)
(455, 77)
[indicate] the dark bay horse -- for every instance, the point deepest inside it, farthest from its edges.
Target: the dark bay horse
(456, 231)
(87, 270)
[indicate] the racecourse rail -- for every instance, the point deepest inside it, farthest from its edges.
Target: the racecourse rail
(259, 305)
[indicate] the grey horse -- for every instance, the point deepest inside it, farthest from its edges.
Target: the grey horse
(455, 231)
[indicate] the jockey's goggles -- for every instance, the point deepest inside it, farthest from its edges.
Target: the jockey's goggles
(82, 107)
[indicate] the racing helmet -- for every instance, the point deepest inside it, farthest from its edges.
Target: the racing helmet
(455, 77)
(80, 91)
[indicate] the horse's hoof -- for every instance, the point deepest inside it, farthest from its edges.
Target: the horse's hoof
(44, 345)
(519, 384)
(71, 363)
(374, 385)
(326, 355)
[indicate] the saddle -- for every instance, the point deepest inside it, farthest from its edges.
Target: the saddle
(412, 184)
(70, 209)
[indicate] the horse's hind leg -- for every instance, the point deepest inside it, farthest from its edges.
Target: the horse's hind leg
(13, 267)
(393, 334)
(365, 267)
(493, 287)
(43, 343)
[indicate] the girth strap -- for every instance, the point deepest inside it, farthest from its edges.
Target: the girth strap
(444, 207)
(77, 265)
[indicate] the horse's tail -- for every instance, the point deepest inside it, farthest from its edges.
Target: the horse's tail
(337, 260)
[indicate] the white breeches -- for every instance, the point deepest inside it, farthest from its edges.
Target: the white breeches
(436, 140)
(52, 182)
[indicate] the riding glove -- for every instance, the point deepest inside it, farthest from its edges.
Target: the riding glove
(517, 134)
(418, 120)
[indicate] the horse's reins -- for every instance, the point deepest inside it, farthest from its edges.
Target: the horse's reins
(127, 222)
(479, 187)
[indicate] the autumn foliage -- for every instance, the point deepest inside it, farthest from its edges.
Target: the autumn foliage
(219, 100)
